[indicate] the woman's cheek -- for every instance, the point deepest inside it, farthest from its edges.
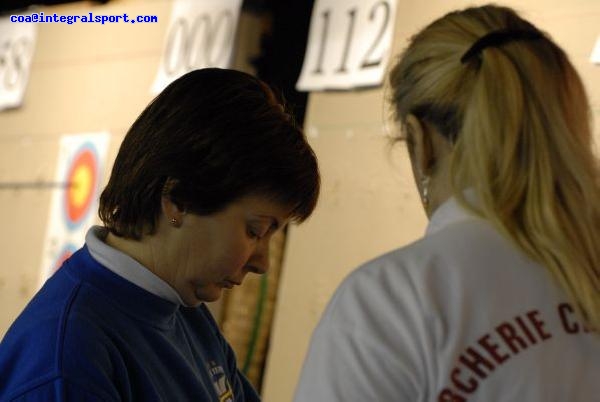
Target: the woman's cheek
(240, 255)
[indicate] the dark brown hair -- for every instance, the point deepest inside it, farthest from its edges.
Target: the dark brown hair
(211, 137)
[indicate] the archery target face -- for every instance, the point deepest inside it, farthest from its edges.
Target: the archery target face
(80, 163)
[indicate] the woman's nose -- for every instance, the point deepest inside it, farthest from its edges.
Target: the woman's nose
(259, 263)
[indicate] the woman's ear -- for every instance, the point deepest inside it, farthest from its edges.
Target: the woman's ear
(422, 147)
(170, 209)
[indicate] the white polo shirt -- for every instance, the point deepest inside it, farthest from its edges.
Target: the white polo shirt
(460, 315)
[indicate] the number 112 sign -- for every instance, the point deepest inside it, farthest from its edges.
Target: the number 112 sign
(348, 45)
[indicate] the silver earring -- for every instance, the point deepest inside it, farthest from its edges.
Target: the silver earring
(425, 190)
(174, 222)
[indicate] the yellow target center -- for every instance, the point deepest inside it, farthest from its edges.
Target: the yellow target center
(81, 185)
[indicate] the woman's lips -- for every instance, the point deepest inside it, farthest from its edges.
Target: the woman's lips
(229, 284)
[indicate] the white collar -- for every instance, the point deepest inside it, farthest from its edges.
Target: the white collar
(126, 267)
(450, 212)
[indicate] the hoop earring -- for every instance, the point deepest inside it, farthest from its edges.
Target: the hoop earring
(425, 190)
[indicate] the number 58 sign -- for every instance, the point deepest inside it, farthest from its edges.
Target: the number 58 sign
(348, 44)
(200, 34)
(17, 43)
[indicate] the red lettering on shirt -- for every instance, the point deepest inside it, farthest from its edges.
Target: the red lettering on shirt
(448, 396)
(457, 382)
(474, 360)
(564, 310)
(509, 335)
(526, 330)
(570, 320)
(538, 324)
(492, 349)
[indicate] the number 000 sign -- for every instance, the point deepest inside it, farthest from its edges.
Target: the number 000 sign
(203, 42)
(200, 34)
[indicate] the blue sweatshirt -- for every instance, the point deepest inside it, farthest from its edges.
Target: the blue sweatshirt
(90, 335)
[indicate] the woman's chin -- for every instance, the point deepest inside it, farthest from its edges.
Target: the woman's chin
(207, 295)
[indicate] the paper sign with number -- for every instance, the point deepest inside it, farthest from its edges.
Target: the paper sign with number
(200, 34)
(17, 43)
(595, 58)
(348, 45)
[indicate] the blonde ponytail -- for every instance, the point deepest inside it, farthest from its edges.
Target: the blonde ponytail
(523, 141)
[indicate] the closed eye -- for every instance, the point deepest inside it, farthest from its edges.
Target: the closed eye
(253, 234)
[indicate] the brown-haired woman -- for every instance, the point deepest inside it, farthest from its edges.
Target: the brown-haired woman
(499, 300)
(204, 177)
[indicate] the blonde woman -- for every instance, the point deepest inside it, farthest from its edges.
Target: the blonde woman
(499, 300)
